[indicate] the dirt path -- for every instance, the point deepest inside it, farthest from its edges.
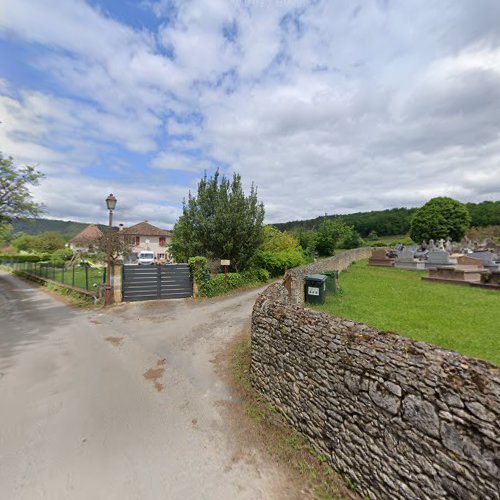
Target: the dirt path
(120, 405)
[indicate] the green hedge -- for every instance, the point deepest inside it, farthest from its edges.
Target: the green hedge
(25, 257)
(216, 284)
(276, 263)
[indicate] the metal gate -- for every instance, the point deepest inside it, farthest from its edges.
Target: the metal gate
(172, 281)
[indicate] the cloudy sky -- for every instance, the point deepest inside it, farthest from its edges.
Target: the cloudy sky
(328, 106)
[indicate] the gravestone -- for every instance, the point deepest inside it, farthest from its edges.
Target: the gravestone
(466, 260)
(489, 260)
(406, 260)
(379, 258)
(438, 258)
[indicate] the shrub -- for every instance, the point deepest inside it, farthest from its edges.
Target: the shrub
(199, 268)
(24, 257)
(256, 276)
(61, 256)
(276, 263)
(217, 286)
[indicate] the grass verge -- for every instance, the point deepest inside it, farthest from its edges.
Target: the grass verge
(260, 423)
(457, 318)
(70, 297)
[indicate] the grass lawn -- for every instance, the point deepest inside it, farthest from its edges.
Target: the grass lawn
(78, 279)
(458, 318)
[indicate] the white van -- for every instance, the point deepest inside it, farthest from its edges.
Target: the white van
(146, 258)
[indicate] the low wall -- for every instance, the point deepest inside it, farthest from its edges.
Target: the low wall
(402, 419)
(294, 278)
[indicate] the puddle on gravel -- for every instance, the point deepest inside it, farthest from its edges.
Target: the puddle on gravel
(154, 374)
(116, 341)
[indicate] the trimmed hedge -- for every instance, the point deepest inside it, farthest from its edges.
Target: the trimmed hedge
(216, 285)
(25, 257)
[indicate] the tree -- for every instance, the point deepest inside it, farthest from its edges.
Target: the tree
(220, 222)
(120, 246)
(440, 218)
(5, 234)
(48, 242)
(330, 234)
(23, 242)
(276, 241)
(15, 197)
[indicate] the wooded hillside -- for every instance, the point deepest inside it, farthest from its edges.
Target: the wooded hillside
(396, 221)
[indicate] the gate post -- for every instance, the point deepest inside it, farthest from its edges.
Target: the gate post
(117, 282)
(158, 278)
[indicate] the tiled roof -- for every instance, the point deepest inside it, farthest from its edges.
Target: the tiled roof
(89, 234)
(145, 229)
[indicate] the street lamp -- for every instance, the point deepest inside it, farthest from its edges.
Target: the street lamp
(111, 204)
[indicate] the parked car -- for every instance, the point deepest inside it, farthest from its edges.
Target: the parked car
(145, 258)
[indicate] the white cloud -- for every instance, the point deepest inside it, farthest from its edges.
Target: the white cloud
(326, 106)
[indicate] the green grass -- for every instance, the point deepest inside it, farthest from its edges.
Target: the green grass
(95, 276)
(458, 318)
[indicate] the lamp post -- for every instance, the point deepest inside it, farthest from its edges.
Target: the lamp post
(111, 204)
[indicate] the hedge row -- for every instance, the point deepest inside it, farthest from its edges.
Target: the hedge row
(217, 285)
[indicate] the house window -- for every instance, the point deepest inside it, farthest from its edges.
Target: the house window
(162, 241)
(137, 241)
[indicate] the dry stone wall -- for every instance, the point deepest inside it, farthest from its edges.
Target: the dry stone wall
(295, 277)
(402, 419)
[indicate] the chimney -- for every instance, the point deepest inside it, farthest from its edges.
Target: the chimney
(120, 227)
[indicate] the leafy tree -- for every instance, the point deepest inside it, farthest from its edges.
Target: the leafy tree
(15, 197)
(276, 263)
(330, 234)
(276, 241)
(24, 242)
(120, 246)
(220, 222)
(354, 240)
(48, 242)
(440, 217)
(5, 234)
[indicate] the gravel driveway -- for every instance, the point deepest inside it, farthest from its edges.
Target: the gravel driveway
(122, 404)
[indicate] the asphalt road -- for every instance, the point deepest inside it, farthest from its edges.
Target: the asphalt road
(124, 404)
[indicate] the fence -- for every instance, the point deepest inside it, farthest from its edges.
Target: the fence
(82, 276)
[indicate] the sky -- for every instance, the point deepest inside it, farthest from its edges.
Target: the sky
(331, 106)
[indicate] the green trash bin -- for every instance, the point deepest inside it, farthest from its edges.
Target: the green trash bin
(315, 288)
(331, 282)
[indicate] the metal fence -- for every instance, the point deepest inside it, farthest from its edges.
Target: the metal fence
(81, 276)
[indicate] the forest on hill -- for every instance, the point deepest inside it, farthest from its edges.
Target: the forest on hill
(394, 221)
(67, 229)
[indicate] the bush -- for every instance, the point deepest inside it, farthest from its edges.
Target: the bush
(256, 276)
(24, 257)
(276, 263)
(217, 286)
(199, 268)
(61, 256)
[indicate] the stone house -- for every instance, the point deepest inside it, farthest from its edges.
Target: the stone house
(86, 240)
(145, 236)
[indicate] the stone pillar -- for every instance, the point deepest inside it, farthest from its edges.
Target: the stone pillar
(116, 282)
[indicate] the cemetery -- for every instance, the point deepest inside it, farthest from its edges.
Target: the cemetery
(464, 319)
(475, 264)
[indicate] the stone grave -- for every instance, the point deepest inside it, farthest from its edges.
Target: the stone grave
(406, 260)
(465, 260)
(379, 258)
(489, 259)
(464, 274)
(438, 258)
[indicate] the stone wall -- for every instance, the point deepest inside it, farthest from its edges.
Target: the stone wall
(402, 419)
(294, 278)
